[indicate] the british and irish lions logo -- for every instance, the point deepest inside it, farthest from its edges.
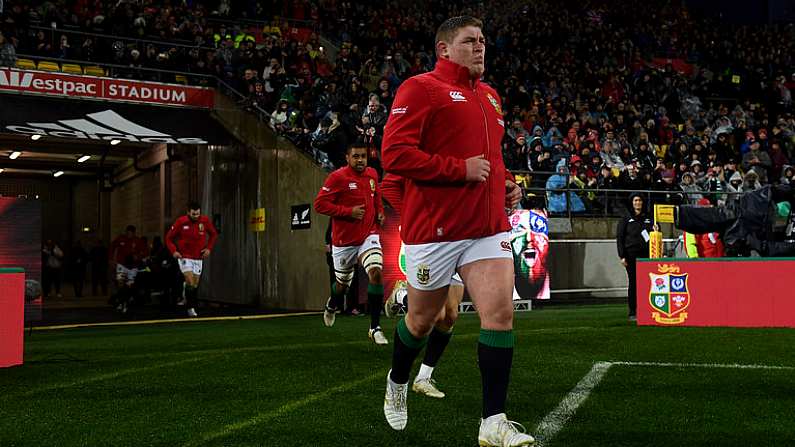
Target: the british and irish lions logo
(669, 295)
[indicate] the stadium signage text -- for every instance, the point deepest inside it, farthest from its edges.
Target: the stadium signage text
(60, 84)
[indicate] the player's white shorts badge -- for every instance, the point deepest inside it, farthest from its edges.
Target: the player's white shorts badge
(423, 274)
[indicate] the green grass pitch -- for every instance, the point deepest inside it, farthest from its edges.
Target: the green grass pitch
(292, 382)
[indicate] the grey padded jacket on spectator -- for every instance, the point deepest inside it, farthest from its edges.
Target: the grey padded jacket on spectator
(693, 193)
(8, 54)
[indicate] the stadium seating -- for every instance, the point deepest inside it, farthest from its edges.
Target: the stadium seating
(72, 68)
(48, 66)
(26, 64)
(93, 70)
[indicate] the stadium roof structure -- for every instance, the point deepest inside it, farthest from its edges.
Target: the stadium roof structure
(53, 133)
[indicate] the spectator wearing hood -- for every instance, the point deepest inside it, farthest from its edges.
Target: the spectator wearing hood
(707, 245)
(514, 152)
(556, 194)
(788, 175)
(697, 169)
(751, 181)
(758, 161)
(723, 148)
(735, 188)
(646, 159)
(517, 129)
(693, 193)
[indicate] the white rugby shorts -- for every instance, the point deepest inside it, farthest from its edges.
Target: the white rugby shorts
(345, 258)
(190, 266)
(432, 266)
(125, 275)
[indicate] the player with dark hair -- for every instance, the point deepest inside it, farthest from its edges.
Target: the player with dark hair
(352, 198)
(190, 240)
(444, 136)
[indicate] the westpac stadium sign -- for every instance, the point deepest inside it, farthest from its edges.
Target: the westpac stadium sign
(67, 85)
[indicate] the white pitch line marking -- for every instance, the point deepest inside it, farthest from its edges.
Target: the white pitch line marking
(705, 365)
(554, 422)
(284, 409)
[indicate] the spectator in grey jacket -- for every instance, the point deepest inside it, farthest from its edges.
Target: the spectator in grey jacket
(8, 53)
(758, 161)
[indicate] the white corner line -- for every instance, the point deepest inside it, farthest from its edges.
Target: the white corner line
(553, 423)
(705, 365)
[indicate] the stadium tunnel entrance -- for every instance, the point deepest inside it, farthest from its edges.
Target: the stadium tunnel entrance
(95, 167)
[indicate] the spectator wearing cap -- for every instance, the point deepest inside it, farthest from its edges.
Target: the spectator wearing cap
(757, 161)
(668, 192)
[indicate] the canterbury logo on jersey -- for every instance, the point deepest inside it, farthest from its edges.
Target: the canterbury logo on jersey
(457, 96)
(12, 79)
(105, 125)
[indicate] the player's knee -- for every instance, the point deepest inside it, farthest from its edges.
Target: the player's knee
(501, 318)
(449, 319)
(344, 277)
(419, 326)
(376, 276)
(373, 261)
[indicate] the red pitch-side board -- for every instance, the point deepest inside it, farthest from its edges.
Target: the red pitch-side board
(731, 292)
(12, 316)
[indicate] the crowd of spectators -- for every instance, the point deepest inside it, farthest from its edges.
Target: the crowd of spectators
(646, 95)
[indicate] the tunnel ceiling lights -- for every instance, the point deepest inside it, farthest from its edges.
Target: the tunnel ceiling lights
(57, 174)
(35, 137)
(83, 158)
(114, 142)
(14, 155)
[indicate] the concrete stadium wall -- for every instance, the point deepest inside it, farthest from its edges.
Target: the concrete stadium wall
(291, 264)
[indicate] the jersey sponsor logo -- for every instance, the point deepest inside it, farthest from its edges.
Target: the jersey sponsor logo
(185, 227)
(353, 185)
(423, 274)
(326, 189)
(399, 110)
(501, 123)
(457, 96)
(505, 246)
